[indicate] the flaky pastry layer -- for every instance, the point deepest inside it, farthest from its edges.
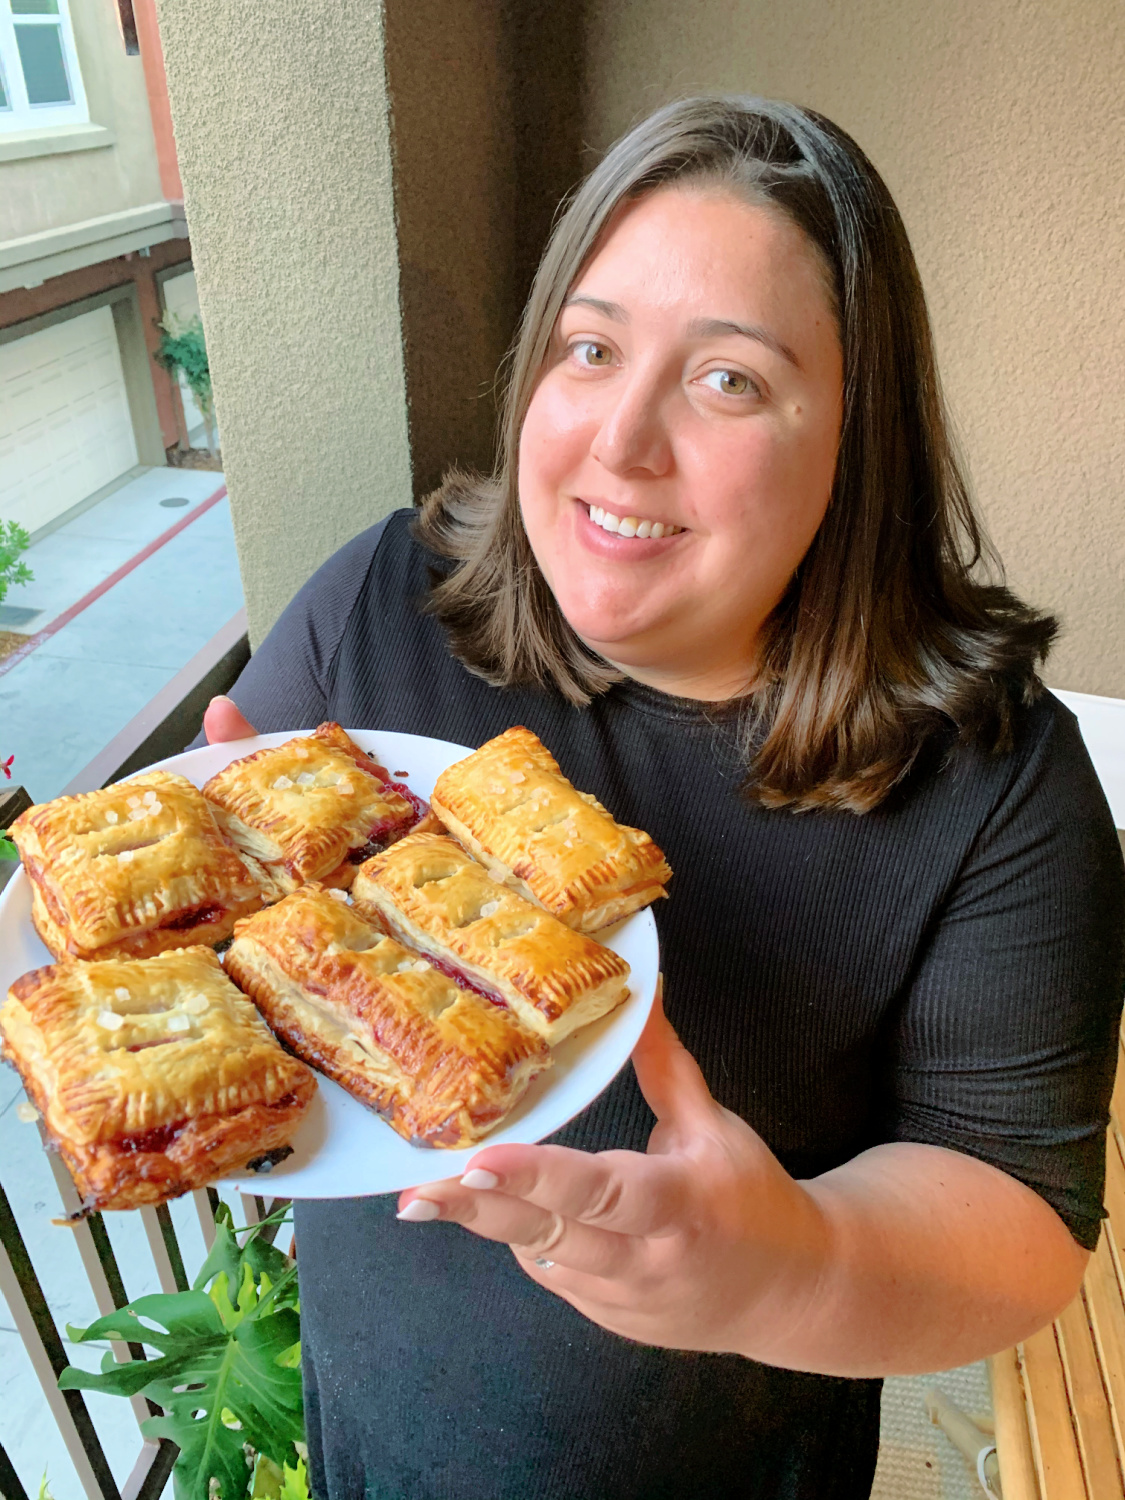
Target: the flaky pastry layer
(133, 869)
(513, 809)
(302, 808)
(153, 1076)
(439, 1063)
(426, 891)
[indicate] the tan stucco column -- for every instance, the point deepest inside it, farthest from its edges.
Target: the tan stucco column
(284, 142)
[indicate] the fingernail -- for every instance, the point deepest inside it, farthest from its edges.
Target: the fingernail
(220, 698)
(477, 1177)
(419, 1211)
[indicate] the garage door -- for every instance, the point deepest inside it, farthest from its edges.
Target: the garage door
(65, 428)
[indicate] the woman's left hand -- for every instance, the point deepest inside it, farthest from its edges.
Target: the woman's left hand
(690, 1246)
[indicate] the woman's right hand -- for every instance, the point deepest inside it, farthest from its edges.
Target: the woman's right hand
(222, 721)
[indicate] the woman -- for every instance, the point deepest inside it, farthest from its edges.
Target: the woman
(726, 572)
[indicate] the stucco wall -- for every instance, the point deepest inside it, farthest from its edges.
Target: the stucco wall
(1000, 129)
(49, 192)
(284, 146)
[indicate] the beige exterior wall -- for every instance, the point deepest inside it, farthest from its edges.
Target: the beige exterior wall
(284, 144)
(1000, 129)
(43, 193)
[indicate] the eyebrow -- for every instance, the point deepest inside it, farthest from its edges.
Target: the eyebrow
(700, 328)
(710, 328)
(612, 310)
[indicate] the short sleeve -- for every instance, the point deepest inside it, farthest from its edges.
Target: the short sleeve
(1005, 1044)
(285, 683)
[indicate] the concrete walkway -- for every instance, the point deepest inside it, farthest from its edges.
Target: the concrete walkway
(69, 696)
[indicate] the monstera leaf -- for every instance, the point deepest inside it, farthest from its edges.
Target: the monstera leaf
(226, 1366)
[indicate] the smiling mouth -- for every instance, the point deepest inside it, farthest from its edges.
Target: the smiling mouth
(630, 526)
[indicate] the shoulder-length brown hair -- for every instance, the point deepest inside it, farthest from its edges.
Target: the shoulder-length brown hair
(885, 636)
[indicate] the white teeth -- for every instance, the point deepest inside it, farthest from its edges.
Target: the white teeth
(630, 526)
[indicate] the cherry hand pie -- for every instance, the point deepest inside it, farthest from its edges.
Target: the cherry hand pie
(132, 870)
(153, 1076)
(427, 892)
(311, 809)
(511, 807)
(440, 1063)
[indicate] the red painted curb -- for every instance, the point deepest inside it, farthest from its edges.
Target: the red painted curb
(22, 652)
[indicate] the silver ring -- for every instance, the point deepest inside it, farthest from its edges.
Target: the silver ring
(543, 1263)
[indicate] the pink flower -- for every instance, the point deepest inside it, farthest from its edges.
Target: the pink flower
(6, 766)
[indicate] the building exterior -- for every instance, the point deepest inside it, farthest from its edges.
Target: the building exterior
(93, 249)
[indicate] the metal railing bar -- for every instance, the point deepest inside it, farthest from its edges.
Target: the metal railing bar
(20, 1287)
(101, 1270)
(169, 1272)
(172, 1245)
(271, 1231)
(205, 1210)
(150, 1472)
(10, 1486)
(253, 1208)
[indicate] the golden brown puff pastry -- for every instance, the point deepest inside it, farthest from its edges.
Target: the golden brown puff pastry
(153, 1076)
(426, 891)
(441, 1064)
(511, 807)
(311, 809)
(132, 870)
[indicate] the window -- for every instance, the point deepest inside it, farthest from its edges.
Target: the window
(40, 83)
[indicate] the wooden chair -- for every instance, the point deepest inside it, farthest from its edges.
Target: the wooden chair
(1059, 1397)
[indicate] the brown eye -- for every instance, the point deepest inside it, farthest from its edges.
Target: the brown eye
(729, 382)
(595, 356)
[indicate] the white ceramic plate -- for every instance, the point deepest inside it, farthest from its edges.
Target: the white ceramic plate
(342, 1150)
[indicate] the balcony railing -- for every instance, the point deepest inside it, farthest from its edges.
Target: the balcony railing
(161, 729)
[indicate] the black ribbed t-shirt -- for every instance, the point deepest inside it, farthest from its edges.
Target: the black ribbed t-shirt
(944, 969)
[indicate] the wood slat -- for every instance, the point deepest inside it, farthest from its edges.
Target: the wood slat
(1107, 1320)
(1117, 1101)
(1089, 1403)
(1013, 1439)
(1053, 1442)
(1114, 1229)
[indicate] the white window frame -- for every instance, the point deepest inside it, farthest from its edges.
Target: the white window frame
(20, 114)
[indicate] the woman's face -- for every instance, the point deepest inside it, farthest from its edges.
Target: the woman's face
(678, 453)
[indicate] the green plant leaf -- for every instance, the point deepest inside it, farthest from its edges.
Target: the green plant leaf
(224, 1375)
(296, 1483)
(13, 541)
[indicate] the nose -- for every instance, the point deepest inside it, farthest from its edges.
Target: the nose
(633, 434)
